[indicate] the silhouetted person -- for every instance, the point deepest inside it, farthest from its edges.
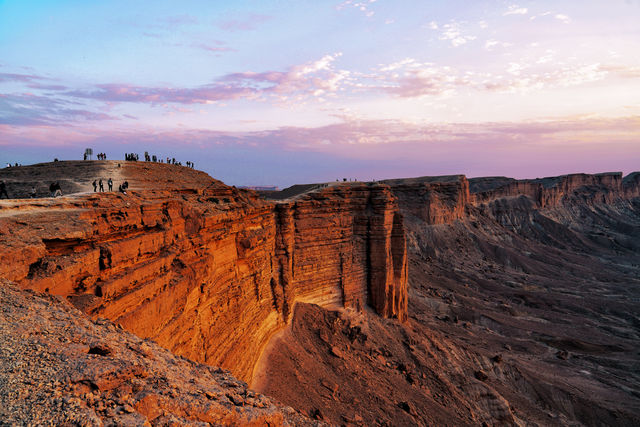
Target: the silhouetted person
(55, 189)
(95, 185)
(3, 190)
(110, 184)
(125, 185)
(33, 191)
(100, 183)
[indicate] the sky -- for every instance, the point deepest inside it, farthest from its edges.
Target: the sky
(277, 92)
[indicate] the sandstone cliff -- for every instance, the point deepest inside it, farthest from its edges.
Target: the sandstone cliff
(434, 200)
(60, 368)
(208, 271)
(444, 199)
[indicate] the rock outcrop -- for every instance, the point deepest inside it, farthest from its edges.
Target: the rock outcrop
(550, 192)
(206, 270)
(434, 200)
(343, 246)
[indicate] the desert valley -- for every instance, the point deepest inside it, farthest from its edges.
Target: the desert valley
(320, 213)
(418, 301)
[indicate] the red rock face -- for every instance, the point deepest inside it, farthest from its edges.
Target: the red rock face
(208, 271)
(342, 246)
(550, 192)
(434, 200)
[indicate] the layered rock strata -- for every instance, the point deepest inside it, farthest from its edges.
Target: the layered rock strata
(434, 200)
(60, 368)
(206, 270)
(444, 199)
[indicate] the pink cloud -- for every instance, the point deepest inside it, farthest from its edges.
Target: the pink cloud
(176, 20)
(367, 149)
(30, 109)
(248, 23)
(159, 95)
(312, 78)
(215, 47)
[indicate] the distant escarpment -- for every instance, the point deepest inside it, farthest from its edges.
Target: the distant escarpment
(523, 310)
(206, 270)
(443, 199)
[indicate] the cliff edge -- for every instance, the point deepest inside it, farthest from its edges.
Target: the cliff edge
(208, 271)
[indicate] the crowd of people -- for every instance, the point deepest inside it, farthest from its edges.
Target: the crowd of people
(99, 156)
(98, 185)
(156, 159)
(134, 157)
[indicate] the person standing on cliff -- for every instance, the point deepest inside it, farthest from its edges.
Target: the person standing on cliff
(3, 190)
(101, 184)
(95, 185)
(55, 189)
(110, 184)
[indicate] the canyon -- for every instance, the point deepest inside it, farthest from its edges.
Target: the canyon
(432, 300)
(208, 271)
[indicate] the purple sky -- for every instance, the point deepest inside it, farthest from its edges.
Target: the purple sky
(283, 92)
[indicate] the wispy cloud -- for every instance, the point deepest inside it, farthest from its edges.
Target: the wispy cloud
(410, 78)
(384, 137)
(177, 20)
(363, 6)
(559, 16)
(246, 23)
(454, 34)
(216, 46)
(29, 110)
(157, 95)
(313, 79)
(318, 81)
(515, 10)
(492, 44)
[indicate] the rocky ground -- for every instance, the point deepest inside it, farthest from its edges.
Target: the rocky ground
(60, 368)
(76, 177)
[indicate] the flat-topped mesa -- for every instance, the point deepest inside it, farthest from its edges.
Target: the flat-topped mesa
(206, 270)
(631, 185)
(433, 199)
(444, 199)
(553, 191)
